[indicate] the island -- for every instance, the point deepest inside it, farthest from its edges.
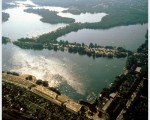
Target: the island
(50, 16)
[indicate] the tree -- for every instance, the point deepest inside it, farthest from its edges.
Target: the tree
(95, 45)
(30, 77)
(14, 73)
(144, 70)
(91, 45)
(54, 90)
(39, 82)
(45, 83)
(83, 44)
(55, 48)
(66, 42)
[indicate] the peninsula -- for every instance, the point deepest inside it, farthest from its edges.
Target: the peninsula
(91, 50)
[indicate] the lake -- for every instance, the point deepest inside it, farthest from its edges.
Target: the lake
(77, 74)
(129, 37)
(74, 75)
(21, 24)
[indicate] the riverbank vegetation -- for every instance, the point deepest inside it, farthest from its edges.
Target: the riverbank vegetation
(50, 16)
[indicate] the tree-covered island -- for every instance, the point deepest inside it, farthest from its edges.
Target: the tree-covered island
(50, 16)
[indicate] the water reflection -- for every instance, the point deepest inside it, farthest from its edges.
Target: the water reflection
(42, 64)
(80, 75)
(72, 74)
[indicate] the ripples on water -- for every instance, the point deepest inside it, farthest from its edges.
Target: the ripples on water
(41, 64)
(71, 73)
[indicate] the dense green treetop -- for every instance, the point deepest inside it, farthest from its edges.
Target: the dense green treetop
(50, 16)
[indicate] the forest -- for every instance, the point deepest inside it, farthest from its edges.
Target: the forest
(50, 16)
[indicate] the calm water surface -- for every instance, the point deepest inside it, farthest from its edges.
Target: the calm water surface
(129, 37)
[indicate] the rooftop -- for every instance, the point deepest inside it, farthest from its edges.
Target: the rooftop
(138, 69)
(113, 95)
(63, 98)
(73, 106)
(45, 91)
